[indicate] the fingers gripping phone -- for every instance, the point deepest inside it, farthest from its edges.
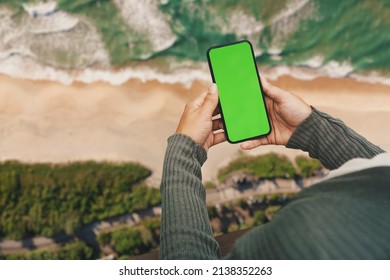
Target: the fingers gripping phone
(243, 110)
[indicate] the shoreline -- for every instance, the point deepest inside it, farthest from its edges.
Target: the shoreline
(173, 72)
(45, 121)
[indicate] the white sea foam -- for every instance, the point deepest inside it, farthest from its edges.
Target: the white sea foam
(332, 69)
(275, 51)
(41, 8)
(56, 22)
(314, 68)
(144, 17)
(286, 22)
(242, 24)
(300, 73)
(185, 76)
(335, 69)
(18, 59)
(58, 39)
(306, 73)
(28, 49)
(314, 62)
(28, 68)
(293, 6)
(372, 78)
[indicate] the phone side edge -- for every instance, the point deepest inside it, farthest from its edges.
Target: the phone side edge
(262, 92)
(219, 103)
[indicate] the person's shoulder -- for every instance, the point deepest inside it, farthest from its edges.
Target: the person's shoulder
(359, 182)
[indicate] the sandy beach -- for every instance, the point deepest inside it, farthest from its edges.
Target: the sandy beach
(51, 122)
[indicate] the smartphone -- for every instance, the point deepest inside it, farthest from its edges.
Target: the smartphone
(241, 101)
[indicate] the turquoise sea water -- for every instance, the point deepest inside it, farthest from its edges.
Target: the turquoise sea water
(356, 32)
(351, 36)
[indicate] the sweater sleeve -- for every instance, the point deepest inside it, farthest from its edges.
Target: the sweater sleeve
(185, 226)
(330, 140)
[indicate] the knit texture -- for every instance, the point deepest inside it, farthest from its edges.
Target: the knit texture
(329, 140)
(346, 217)
(185, 226)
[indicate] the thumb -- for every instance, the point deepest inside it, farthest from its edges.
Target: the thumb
(211, 100)
(272, 91)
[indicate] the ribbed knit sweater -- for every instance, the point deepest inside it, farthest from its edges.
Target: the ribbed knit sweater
(346, 217)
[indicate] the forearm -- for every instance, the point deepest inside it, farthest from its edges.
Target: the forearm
(330, 140)
(185, 225)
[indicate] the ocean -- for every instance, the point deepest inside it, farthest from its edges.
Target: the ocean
(113, 41)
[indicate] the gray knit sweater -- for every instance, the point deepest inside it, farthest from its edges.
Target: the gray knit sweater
(346, 217)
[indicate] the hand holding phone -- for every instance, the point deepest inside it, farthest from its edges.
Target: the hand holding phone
(233, 69)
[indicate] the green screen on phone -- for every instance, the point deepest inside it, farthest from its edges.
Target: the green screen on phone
(243, 109)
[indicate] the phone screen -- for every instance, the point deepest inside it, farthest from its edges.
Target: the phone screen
(242, 105)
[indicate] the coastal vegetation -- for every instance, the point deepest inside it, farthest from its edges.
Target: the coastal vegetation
(270, 166)
(231, 216)
(246, 212)
(124, 242)
(46, 199)
(264, 166)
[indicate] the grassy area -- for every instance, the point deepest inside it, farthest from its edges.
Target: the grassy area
(45, 199)
(270, 166)
(265, 166)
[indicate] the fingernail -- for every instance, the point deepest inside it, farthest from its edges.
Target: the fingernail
(213, 89)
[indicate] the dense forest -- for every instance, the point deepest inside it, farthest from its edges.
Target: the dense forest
(45, 199)
(124, 242)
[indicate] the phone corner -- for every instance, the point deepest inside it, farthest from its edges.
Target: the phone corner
(246, 41)
(268, 132)
(208, 51)
(231, 142)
